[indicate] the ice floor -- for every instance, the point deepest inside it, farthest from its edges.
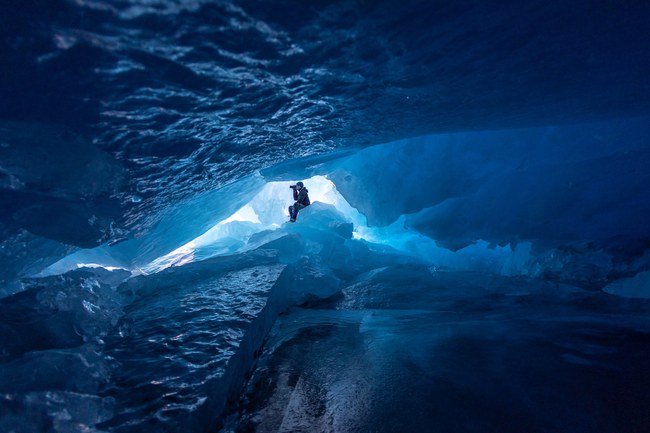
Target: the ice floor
(409, 350)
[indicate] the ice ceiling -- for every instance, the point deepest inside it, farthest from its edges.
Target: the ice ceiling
(148, 123)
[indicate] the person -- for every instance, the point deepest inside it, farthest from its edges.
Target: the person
(301, 196)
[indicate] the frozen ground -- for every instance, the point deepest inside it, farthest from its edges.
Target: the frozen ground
(412, 350)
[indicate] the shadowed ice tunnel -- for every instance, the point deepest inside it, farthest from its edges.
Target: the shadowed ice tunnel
(475, 258)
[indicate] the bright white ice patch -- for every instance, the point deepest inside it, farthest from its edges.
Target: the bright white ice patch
(244, 214)
(95, 265)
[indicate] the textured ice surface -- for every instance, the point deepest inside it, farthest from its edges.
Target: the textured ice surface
(52, 360)
(81, 354)
(175, 341)
(493, 162)
(182, 98)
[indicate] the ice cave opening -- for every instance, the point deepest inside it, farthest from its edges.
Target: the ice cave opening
(266, 211)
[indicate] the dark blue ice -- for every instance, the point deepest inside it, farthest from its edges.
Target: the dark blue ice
(476, 257)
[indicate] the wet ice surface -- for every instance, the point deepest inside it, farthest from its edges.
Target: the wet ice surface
(453, 352)
(178, 340)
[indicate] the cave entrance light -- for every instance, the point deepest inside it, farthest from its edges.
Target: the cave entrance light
(267, 210)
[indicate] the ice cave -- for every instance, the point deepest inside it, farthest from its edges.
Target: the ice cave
(475, 256)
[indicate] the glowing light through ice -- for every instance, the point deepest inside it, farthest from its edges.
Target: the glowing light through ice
(247, 213)
(267, 210)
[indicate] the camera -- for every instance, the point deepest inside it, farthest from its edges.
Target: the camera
(293, 186)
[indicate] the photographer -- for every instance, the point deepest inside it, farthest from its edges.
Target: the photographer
(301, 196)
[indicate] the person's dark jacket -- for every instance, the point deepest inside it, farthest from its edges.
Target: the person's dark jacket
(301, 196)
